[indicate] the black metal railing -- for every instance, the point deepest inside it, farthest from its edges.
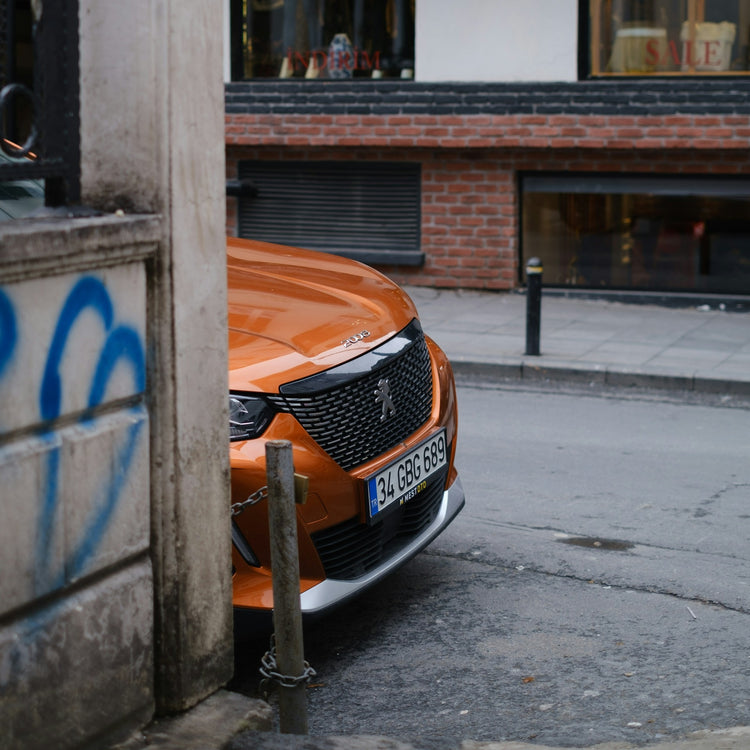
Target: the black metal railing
(39, 96)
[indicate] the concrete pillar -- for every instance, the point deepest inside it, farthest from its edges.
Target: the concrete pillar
(152, 123)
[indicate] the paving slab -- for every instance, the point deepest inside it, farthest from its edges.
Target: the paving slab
(700, 348)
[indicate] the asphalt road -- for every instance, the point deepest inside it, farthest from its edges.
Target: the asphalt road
(596, 587)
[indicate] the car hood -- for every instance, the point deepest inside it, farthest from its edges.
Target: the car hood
(296, 312)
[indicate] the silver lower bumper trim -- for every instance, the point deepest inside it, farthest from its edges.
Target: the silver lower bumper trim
(332, 592)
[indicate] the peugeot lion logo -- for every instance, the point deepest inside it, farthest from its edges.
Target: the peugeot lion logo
(383, 397)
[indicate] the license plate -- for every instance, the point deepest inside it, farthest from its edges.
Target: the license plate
(406, 477)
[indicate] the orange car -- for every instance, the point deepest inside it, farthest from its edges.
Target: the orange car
(329, 354)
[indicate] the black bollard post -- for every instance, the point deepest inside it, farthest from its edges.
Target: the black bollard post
(533, 305)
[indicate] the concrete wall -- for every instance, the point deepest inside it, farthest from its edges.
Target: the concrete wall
(115, 598)
(76, 594)
(497, 40)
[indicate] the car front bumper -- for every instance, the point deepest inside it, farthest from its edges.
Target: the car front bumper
(332, 592)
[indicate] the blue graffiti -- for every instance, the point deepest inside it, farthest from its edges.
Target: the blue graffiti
(8, 333)
(122, 343)
(88, 292)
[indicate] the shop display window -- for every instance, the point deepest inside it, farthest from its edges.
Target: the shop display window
(640, 233)
(668, 37)
(328, 39)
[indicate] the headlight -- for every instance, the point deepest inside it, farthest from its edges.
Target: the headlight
(248, 416)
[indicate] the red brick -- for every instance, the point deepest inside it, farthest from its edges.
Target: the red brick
(427, 120)
(497, 120)
(474, 176)
(628, 132)
(562, 143)
(708, 143)
(563, 120)
(481, 142)
(720, 133)
(706, 121)
(452, 120)
(489, 232)
(590, 121)
(398, 120)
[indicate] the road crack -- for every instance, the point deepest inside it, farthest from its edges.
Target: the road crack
(560, 575)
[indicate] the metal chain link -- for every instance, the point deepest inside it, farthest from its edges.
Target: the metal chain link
(256, 497)
(270, 672)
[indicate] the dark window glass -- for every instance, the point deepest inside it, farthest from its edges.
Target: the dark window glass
(668, 37)
(639, 233)
(333, 39)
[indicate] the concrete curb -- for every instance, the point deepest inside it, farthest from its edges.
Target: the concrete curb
(599, 375)
(735, 738)
(209, 725)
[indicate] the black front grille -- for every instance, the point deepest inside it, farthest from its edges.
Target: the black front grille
(349, 549)
(343, 412)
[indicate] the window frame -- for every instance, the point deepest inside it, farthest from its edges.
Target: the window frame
(587, 63)
(687, 186)
(352, 59)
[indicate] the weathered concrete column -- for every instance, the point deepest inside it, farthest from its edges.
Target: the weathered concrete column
(153, 141)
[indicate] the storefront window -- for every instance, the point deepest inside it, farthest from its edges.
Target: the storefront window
(330, 39)
(643, 233)
(668, 37)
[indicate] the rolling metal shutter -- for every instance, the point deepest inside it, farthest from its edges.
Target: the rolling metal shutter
(369, 211)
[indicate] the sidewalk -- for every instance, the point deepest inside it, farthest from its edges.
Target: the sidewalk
(703, 349)
(230, 721)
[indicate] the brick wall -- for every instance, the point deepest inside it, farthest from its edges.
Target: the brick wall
(679, 131)
(473, 140)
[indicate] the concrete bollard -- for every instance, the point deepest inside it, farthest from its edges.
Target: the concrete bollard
(533, 305)
(287, 614)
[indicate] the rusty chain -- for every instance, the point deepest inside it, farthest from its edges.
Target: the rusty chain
(270, 671)
(256, 497)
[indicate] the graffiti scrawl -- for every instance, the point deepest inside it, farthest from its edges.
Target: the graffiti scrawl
(122, 344)
(121, 351)
(8, 332)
